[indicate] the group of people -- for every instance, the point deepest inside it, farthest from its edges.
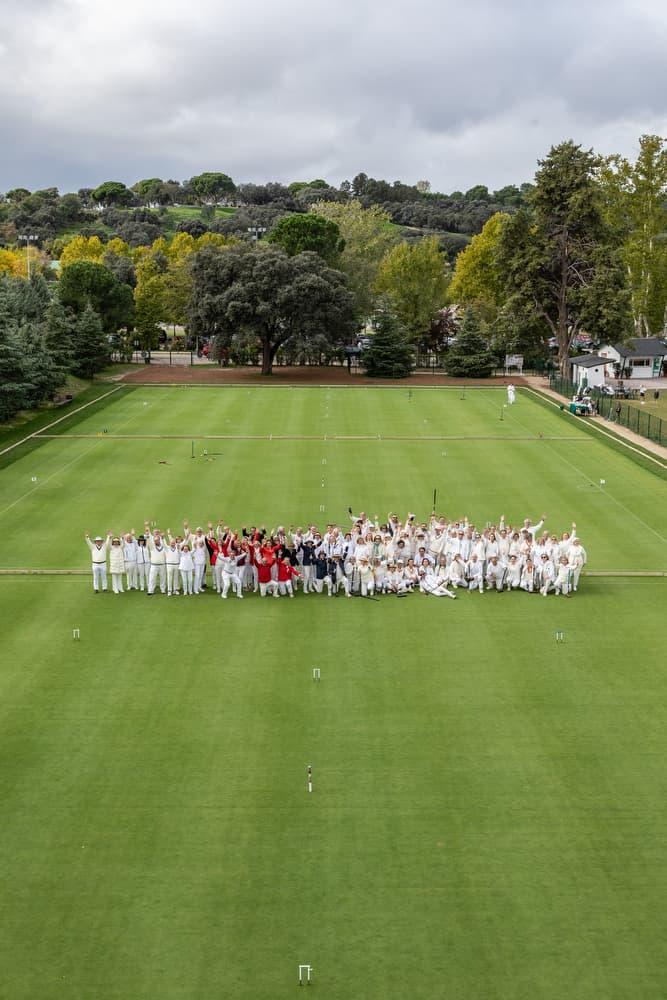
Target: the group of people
(365, 558)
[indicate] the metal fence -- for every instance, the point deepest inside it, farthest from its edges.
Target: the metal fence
(625, 413)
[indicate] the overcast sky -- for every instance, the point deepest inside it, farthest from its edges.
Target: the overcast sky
(461, 93)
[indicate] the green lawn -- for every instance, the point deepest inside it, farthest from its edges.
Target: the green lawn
(488, 817)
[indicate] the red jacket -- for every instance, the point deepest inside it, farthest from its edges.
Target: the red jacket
(286, 572)
(263, 572)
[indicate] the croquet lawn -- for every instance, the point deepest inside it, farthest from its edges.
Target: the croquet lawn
(488, 818)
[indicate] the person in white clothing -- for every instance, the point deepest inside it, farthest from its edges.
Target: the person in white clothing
(199, 559)
(186, 568)
(547, 573)
(129, 546)
(562, 581)
(511, 394)
(475, 574)
(143, 562)
(430, 584)
(98, 552)
(172, 559)
(576, 557)
(528, 577)
(366, 578)
(229, 576)
(457, 572)
(513, 574)
(158, 568)
(116, 565)
(495, 574)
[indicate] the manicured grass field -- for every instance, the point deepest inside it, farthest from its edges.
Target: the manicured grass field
(489, 809)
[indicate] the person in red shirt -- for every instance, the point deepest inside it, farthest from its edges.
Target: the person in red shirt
(266, 583)
(286, 574)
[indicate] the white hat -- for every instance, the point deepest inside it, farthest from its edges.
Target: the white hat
(98, 538)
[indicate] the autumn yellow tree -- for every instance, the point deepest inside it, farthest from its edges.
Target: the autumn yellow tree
(82, 248)
(415, 278)
(13, 264)
(478, 279)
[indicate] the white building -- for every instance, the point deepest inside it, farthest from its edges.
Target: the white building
(641, 358)
(588, 368)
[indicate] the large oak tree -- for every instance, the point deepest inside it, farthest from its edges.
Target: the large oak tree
(263, 292)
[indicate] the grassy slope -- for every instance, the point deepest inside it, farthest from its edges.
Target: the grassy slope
(102, 483)
(488, 816)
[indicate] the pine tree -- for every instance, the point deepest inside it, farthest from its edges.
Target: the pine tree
(40, 369)
(15, 388)
(91, 348)
(58, 331)
(389, 355)
(469, 356)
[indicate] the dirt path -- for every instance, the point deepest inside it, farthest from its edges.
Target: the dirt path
(307, 375)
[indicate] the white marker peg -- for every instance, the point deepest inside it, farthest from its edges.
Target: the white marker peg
(322, 483)
(34, 479)
(322, 508)
(603, 482)
(316, 673)
(309, 773)
(305, 970)
(76, 633)
(324, 461)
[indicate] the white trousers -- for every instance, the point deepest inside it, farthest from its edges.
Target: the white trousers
(172, 578)
(319, 585)
(308, 579)
(200, 572)
(217, 574)
(131, 574)
(155, 575)
(232, 579)
(271, 586)
(142, 574)
(99, 576)
(285, 587)
(439, 590)
(117, 583)
(186, 580)
(367, 588)
(476, 584)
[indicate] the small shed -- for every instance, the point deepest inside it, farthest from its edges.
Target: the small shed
(588, 369)
(641, 357)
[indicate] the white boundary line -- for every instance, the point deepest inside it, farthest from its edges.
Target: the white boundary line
(605, 493)
(612, 437)
(59, 420)
(62, 469)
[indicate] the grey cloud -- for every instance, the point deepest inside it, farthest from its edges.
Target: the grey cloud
(461, 94)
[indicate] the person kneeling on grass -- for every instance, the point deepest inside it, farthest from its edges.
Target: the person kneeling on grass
(495, 574)
(286, 575)
(266, 583)
(547, 573)
(563, 577)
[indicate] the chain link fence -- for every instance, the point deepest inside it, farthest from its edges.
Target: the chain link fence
(617, 410)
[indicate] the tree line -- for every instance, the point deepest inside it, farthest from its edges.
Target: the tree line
(583, 249)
